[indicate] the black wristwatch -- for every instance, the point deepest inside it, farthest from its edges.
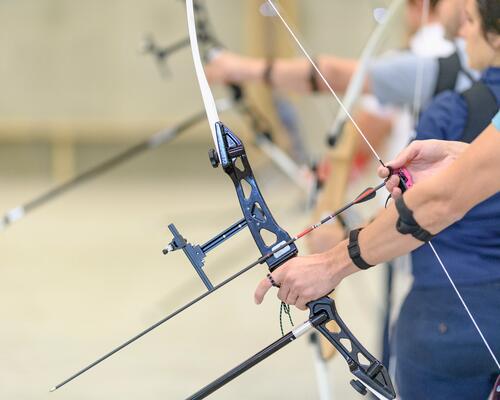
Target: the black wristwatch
(354, 252)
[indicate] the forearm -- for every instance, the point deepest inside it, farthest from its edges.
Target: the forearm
(295, 74)
(380, 241)
(338, 72)
(291, 75)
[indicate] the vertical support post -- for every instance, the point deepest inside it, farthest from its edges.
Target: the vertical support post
(267, 39)
(63, 154)
(332, 196)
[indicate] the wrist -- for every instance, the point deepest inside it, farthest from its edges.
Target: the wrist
(257, 70)
(456, 148)
(339, 261)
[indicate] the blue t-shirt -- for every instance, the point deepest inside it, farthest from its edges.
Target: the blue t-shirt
(470, 248)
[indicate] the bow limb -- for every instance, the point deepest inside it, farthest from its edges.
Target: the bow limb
(208, 99)
(344, 140)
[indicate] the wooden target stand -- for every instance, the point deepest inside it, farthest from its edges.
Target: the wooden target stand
(332, 197)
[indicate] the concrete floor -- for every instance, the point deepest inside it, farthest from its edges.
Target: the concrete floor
(84, 273)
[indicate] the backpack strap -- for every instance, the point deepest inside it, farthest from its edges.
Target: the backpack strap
(448, 70)
(482, 106)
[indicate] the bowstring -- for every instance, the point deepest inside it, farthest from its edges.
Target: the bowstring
(327, 84)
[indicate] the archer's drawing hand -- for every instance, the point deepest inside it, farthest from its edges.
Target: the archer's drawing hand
(307, 278)
(422, 158)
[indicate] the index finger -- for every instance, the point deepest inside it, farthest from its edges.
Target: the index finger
(262, 289)
(406, 155)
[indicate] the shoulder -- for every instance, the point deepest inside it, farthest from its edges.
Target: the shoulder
(402, 62)
(393, 77)
(445, 117)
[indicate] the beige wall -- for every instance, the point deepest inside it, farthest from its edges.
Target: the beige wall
(79, 60)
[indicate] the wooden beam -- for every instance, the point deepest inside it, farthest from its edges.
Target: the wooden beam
(265, 37)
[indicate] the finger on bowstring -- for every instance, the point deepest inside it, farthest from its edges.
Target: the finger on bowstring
(262, 289)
